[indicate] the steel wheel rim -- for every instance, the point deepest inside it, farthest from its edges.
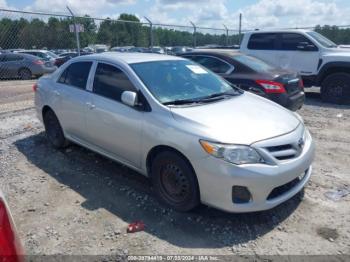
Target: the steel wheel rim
(175, 184)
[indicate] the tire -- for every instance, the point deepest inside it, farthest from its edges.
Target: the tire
(336, 88)
(53, 130)
(174, 181)
(25, 74)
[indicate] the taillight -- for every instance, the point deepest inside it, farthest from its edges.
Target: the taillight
(301, 83)
(271, 86)
(10, 247)
(38, 62)
(35, 87)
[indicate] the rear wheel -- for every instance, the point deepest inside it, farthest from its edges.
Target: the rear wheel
(54, 130)
(336, 88)
(174, 181)
(25, 74)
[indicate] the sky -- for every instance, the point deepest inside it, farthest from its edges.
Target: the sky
(204, 13)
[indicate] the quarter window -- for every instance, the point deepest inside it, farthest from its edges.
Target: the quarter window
(111, 82)
(76, 74)
(215, 65)
(262, 41)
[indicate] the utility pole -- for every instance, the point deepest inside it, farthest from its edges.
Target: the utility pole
(240, 29)
(75, 30)
(150, 32)
(194, 34)
(226, 29)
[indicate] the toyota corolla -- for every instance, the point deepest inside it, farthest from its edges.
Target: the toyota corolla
(199, 138)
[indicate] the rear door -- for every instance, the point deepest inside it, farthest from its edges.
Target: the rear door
(114, 127)
(71, 98)
(264, 46)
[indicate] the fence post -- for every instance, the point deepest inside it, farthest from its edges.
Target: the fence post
(194, 34)
(240, 29)
(75, 30)
(226, 29)
(150, 32)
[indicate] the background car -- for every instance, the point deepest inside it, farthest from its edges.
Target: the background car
(64, 57)
(43, 54)
(10, 246)
(282, 86)
(23, 66)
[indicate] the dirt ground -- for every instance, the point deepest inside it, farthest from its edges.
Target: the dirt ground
(77, 202)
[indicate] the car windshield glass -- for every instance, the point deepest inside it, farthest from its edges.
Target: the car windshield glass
(324, 41)
(253, 63)
(181, 81)
(51, 54)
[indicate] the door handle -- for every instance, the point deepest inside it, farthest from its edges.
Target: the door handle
(57, 93)
(90, 105)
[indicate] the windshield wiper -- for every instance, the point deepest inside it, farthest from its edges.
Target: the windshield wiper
(210, 98)
(182, 102)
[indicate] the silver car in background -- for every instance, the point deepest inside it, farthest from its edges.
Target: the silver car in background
(23, 66)
(197, 137)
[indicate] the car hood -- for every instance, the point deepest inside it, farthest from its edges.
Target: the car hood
(243, 119)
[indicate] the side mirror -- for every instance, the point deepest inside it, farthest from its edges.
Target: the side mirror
(306, 46)
(129, 98)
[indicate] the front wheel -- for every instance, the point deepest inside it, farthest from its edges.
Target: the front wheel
(174, 181)
(336, 88)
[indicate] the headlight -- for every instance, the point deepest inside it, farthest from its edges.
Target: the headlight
(236, 154)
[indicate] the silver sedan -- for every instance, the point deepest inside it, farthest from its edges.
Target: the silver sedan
(196, 136)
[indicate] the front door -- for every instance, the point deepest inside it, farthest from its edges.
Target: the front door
(113, 126)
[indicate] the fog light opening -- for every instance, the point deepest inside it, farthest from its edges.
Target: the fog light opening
(240, 195)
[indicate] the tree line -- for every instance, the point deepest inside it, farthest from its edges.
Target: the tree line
(53, 33)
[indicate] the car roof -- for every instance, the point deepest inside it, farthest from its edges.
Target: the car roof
(228, 52)
(281, 31)
(129, 58)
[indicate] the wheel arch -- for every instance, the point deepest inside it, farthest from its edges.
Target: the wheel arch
(162, 148)
(331, 68)
(45, 109)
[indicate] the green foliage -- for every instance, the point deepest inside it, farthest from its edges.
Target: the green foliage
(53, 32)
(334, 33)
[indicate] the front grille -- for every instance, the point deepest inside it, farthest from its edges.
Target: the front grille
(280, 190)
(283, 152)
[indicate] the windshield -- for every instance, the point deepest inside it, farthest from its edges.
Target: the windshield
(53, 55)
(324, 41)
(181, 80)
(254, 63)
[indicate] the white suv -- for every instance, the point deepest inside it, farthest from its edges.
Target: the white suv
(320, 61)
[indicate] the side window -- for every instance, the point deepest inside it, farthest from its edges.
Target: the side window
(111, 82)
(76, 74)
(262, 41)
(12, 57)
(290, 41)
(215, 65)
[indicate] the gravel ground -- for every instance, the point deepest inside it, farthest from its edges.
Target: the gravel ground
(77, 202)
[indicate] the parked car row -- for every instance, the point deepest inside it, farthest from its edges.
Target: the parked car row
(194, 134)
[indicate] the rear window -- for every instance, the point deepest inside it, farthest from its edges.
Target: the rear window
(76, 74)
(253, 63)
(262, 41)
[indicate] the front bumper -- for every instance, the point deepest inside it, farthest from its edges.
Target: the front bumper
(216, 177)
